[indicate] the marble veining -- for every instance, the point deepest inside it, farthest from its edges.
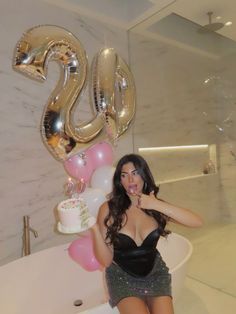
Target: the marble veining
(31, 180)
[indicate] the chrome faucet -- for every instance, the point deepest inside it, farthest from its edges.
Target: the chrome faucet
(26, 235)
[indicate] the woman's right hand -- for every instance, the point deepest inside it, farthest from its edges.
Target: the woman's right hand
(147, 201)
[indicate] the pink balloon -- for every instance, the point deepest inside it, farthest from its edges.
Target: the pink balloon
(101, 154)
(81, 251)
(80, 166)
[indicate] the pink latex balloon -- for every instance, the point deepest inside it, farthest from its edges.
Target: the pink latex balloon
(80, 166)
(81, 251)
(101, 154)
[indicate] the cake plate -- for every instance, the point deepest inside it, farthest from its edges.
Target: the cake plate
(78, 229)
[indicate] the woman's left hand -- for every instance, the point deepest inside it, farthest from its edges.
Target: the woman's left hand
(147, 201)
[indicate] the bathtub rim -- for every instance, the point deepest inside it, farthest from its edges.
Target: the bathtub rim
(65, 246)
(188, 255)
(187, 250)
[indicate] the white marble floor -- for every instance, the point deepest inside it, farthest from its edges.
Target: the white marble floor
(210, 286)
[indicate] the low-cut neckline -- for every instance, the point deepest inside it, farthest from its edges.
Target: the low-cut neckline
(126, 235)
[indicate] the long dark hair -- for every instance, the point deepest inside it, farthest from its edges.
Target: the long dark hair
(119, 200)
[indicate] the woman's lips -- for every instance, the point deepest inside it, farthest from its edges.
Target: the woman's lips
(132, 189)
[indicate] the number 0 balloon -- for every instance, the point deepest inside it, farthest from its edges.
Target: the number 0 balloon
(113, 91)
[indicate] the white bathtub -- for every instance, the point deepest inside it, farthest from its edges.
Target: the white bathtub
(48, 282)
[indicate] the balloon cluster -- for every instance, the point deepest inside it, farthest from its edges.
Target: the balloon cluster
(93, 168)
(91, 175)
(82, 148)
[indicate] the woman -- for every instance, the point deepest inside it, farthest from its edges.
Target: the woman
(125, 237)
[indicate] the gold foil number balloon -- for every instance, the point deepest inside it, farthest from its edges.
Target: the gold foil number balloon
(112, 89)
(35, 49)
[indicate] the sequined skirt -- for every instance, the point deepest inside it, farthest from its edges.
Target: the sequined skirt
(121, 285)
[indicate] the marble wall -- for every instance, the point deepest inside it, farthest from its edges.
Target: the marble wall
(176, 107)
(171, 101)
(31, 180)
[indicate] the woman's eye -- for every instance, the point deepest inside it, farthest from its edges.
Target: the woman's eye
(135, 172)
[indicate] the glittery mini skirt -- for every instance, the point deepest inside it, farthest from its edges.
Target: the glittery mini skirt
(120, 284)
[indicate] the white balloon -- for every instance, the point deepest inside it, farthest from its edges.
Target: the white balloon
(102, 178)
(94, 198)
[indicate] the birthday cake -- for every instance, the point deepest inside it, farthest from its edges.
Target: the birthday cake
(74, 216)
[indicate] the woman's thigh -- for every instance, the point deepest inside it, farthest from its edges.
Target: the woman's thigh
(160, 305)
(132, 305)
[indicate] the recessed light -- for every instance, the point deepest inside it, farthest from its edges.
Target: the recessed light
(149, 149)
(228, 23)
(218, 17)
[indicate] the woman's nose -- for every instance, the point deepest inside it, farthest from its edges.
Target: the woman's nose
(131, 179)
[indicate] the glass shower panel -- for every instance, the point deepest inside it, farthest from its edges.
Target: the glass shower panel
(186, 98)
(185, 128)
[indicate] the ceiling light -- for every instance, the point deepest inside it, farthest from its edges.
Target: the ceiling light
(228, 23)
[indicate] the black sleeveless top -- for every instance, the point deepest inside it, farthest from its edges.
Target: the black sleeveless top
(136, 260)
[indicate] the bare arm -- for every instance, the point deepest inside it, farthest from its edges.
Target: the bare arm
(103, 251)
(175, 213)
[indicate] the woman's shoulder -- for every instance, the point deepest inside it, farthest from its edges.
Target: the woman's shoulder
(103, 210)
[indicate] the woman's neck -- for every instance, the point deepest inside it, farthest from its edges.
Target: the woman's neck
(134, 200)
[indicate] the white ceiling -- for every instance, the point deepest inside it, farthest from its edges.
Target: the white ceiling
(140, 14)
